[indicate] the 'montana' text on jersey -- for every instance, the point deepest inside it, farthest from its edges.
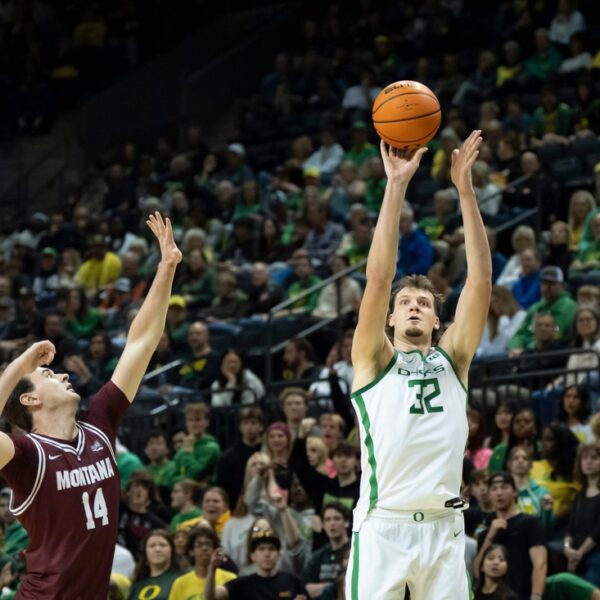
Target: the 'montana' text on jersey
(84, 475)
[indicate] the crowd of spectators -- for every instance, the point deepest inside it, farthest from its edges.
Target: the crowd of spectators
(53, 54)
(265, 221)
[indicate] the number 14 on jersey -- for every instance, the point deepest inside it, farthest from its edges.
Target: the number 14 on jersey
(100, 511)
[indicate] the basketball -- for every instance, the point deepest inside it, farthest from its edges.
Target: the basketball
(406, 114)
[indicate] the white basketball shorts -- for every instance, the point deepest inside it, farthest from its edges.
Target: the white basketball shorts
(424, 551)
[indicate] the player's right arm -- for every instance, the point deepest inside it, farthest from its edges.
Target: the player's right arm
(371, 349)
(38, 354)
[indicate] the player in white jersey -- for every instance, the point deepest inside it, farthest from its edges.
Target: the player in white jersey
(410, 399)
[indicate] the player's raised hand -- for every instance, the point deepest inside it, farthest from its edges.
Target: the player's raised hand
(400, 165)
(37, 355)
(463, 160)
(163, 230)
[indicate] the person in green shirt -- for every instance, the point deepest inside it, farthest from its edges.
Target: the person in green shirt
(81, 320)
(585, 269)
(197, 281)
(156, 572)
(375, 185)
(305, 279)
(15, 536)
(566, 586)
(546, 58)
(184, 498)
(197, 458)
(162, 469)
(532, 498)
(128, 462)
(556, 301)
(361, 149)
(523, 433)
(434, 225)
(552, 116)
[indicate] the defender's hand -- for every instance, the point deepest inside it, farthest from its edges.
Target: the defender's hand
(37, 355)
(463, 160)
(163, 230)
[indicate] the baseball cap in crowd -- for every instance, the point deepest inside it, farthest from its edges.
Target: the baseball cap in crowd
(237, 148)
(312, 172)
(502, 477)
(178, 301)
(553, 274)
(122, 285)
(264, 536)
(48, 251)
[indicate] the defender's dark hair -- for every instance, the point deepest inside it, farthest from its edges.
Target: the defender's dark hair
(14, 412)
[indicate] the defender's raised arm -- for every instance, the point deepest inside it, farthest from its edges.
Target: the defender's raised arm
(149, 324)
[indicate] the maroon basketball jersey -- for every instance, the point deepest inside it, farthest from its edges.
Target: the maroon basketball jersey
(66, 495)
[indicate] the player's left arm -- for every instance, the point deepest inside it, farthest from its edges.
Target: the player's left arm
(461, 339)
(539, 560)
(148, 325)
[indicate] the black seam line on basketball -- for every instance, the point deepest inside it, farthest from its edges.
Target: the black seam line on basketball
(409, 141)
(435, 112)
(407, 94)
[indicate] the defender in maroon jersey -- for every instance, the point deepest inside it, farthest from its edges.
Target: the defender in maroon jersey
(63, 472)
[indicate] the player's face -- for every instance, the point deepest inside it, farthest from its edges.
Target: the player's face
(495, 565)
(53, 389)
(158, 550)
(502, 495)
(265, 556)
(334, 524)
(414, 315)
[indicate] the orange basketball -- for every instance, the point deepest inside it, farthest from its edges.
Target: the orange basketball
(406, 114)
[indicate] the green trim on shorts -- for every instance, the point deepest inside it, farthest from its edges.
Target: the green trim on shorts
(377, 379)
(364, 417)
(470, 584)
(445, 355)
(354, 583)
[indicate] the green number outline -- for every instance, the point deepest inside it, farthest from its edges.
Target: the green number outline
(424, 402)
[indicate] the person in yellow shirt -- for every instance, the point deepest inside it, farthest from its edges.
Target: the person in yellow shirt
(203, 541)
(555, 470)
(101, 267)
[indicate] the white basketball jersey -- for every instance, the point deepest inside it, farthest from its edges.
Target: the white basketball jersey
(413, 432)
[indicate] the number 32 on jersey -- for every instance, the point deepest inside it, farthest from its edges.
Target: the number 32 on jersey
(427, 390)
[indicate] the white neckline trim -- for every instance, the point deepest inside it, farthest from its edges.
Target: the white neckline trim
(64, 447)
